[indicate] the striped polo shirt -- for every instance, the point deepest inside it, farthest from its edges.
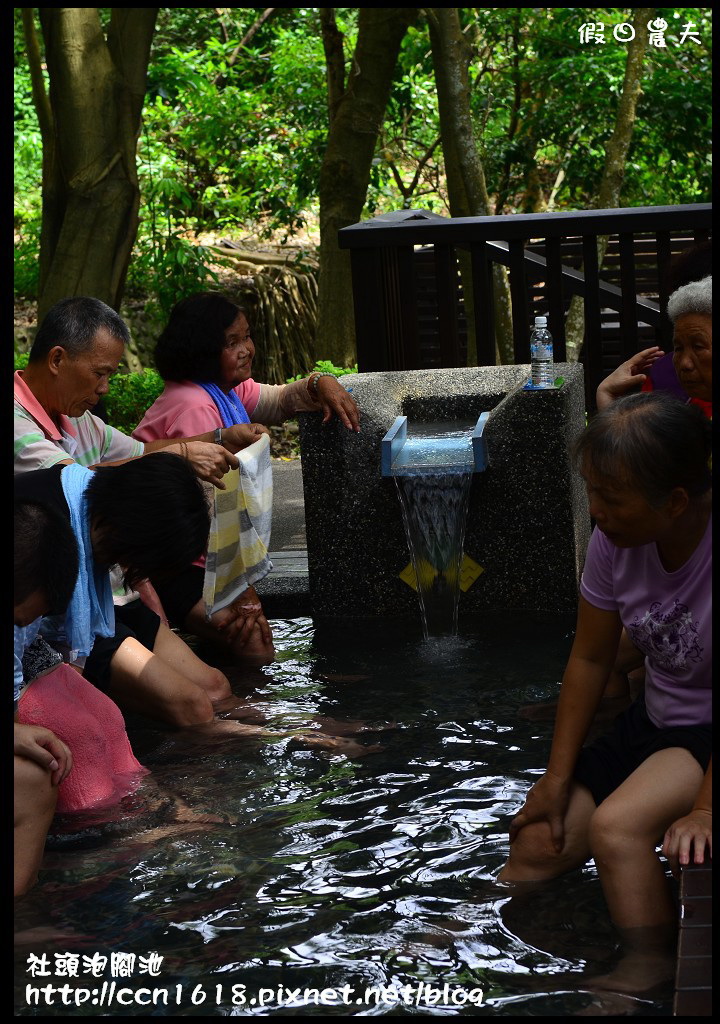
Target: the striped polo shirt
(41, 443)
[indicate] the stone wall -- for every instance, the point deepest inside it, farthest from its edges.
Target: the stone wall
(528, 524)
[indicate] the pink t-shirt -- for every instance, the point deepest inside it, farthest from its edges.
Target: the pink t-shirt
(185, 409)
(667, 615)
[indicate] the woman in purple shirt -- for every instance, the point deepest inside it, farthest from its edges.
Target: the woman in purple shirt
(646, 465)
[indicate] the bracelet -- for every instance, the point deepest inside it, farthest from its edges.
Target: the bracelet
(217, 436)
(313, 386)
(184, 449)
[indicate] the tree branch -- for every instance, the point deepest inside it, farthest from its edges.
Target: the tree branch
(40, 96)
(268, 13)
(333, 40)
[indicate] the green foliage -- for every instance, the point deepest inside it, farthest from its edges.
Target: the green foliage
(167, 268)
(130, 396)
(28, 174)
(325, 366)
(233, 137)
(544, 102)
(21, 360)
(26, 266)
(27, 140)
(242, 135)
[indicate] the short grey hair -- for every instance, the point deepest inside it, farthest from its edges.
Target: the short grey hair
(695, 297)
(73, 323)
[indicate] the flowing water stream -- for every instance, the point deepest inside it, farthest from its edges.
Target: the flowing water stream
(337, 887)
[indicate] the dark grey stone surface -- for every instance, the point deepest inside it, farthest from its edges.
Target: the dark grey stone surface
(528, 523)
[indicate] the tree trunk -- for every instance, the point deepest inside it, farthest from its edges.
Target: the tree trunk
(616, 152)
(90, 186)
(467, 190)
(345, 170)
(334, 59)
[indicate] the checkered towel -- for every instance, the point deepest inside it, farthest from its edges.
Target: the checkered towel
(240, 530)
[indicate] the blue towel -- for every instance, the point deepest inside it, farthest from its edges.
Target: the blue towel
(229, 406)
(90, 613)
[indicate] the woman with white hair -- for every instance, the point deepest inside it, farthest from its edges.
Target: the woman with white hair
(687, 371)
(690, 310)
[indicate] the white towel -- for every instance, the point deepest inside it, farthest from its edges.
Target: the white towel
(240, 529)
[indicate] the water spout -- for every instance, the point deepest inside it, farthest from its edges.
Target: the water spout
(433, 471)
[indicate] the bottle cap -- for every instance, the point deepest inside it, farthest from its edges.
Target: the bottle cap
(541, 321)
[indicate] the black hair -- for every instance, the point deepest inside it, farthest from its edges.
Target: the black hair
(690, 265)
(149, 515)
(46, 555)
(190, 346)
(652, 442)
(73, 324)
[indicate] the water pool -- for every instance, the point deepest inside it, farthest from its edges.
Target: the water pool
(360, 887)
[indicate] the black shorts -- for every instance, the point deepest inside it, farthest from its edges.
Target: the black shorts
(611, 758)
(131, 620)
(180, 595)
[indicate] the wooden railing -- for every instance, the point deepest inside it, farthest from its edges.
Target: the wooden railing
(550, 258)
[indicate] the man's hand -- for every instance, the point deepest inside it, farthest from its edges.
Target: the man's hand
(210, 461)
(44, 747)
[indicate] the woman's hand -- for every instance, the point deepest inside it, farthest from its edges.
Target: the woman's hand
(45, 748)
(694, 831)
(629, 375)
(210, 461)
(547, 801)
(241, 435)
(238, 621)
(336, 401)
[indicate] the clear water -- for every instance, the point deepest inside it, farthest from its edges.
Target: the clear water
(450, 450)
(434, 509)
(339, 874)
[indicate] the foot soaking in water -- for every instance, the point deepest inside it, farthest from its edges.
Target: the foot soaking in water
(343, 886)
(372, 879)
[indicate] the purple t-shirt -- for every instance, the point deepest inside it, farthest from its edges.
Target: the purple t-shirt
(667, 615)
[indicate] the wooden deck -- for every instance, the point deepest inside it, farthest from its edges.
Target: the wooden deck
(693, 981)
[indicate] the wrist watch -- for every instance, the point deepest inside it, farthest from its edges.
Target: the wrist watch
(218, 438)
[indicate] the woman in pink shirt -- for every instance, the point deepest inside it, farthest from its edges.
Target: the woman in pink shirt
(205, 356)
(645, 462)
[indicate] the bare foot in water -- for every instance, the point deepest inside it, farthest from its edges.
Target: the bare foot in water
(350, 727)
(173, 810)
(239, 708)
(151, 835)
(612, 1004)
(333, 745)
(647, 973)
(231, 727)
(186, 815)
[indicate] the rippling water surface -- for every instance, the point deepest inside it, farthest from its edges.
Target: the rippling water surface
(337, 887)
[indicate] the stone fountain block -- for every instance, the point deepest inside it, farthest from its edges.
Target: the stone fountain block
(528, 524)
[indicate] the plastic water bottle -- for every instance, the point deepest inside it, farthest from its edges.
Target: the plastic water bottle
(542, 374)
